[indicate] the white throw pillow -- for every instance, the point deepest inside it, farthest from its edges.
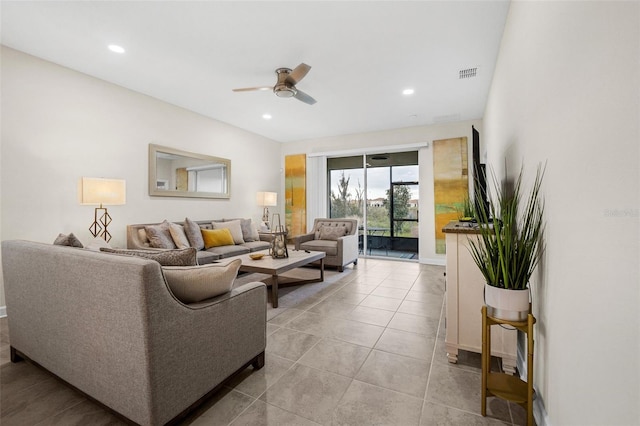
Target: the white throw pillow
(178, 235)
(234, 227)
(195, 283)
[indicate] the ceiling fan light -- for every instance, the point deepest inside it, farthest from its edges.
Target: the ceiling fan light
(284, 92)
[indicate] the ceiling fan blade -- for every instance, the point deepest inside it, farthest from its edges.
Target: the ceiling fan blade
(301, 96)
(298, 74)
(251, 89)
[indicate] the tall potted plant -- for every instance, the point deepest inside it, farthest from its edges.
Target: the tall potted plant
(509, 245)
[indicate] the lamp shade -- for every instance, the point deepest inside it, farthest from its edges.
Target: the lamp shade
(111, 192)
(267, 199)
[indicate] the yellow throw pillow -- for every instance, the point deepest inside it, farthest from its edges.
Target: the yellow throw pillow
(217, 237)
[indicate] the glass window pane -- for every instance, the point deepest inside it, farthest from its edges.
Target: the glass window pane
(378, 199)
(405, 174)
(405, 201)
(346, 193)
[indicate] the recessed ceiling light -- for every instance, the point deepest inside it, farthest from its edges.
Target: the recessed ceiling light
(115, 48)
(408, 92)
(266, 116)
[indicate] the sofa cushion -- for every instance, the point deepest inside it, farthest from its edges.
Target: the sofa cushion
(332, 232)
(178, 257)
(256, 245)
(327, 246)
(229, 251)
(68, 240)
(192, 230)
(203, 257)
(216, 237)
(159, 236)
(234, 227)
(178, 235)
(196, 283)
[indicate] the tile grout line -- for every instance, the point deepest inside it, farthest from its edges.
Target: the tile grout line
(433, 355)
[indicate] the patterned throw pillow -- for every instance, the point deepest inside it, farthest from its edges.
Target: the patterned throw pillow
(217, 237)
(179, 257)
(234, 227)
(178, 235)
(68, 240)
(332, 232)
(159, 236)
(198, 283)
(192, 230)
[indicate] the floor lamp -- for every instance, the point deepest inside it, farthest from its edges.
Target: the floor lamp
(102, 192)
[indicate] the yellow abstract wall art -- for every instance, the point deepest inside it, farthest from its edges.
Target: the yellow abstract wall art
(295, 179)
(451, 183)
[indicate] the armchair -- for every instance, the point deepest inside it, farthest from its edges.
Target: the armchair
(338, 238)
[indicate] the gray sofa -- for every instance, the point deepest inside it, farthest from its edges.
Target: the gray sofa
(137, 239)
(340, 251)
(109, 326)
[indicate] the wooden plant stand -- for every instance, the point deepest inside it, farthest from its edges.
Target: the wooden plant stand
(505, 386)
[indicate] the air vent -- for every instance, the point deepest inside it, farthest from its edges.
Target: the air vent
(468, 73)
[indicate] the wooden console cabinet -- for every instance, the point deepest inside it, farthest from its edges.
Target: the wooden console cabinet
(464, 301)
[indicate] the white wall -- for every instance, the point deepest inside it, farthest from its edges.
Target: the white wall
(375, 141)
(566, 91)
(59, 125)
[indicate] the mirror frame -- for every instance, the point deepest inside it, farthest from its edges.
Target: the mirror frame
(153, 176)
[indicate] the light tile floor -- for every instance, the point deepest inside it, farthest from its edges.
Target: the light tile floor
(366, 347)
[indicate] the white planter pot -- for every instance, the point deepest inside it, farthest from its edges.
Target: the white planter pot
(510, 305)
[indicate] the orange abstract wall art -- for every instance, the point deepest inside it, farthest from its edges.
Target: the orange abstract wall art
(295, 179)
(451, 183)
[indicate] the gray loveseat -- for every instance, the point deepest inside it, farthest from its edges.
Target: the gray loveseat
(137, 239)
(341, 247)
(109, 325)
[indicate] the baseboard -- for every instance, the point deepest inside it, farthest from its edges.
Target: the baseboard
(3, 311)
(433, 261)
(539, 412)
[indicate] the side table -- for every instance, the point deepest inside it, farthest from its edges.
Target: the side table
(505, 386)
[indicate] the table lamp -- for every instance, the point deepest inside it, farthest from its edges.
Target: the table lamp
(266, 200)
(99, 191)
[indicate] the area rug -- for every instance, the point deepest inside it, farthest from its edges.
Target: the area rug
(291, 295)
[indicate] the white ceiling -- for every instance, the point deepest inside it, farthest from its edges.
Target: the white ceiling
(362, 53)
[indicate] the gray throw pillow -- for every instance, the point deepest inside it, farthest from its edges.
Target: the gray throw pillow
(194, 235)
(68, 240)
(159, 236)
(178, 257)
(247, 234)
(332, 232)
(254, 232)
(198, 283)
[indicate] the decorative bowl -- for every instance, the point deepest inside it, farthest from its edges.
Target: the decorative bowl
(256, 256)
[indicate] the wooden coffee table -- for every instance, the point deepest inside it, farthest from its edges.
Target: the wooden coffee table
(275, 267)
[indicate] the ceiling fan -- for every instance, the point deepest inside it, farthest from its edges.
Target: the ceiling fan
(286, 85)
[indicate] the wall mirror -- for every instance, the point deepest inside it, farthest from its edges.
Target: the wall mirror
(177, 173)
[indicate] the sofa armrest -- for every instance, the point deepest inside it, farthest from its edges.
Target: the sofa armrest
(134, 241)
(303, 239)
(348, 248)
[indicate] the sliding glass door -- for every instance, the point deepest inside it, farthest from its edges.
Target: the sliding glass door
(382, 192)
